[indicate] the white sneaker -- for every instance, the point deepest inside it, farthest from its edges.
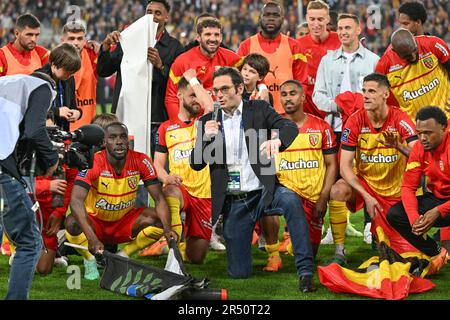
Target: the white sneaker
(352, 232)
(61, 262)
(367, 233)
(215, 243)
(328, 239)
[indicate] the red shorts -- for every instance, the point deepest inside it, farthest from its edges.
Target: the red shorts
(315, 226)
(119, 231)
(397, 242)
(50, 242)
(198, 216)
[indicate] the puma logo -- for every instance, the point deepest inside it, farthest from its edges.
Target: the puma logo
(273, 72)
(365, 140)
(106, 185)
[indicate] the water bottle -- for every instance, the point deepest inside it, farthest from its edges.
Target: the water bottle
(58, 199)
(204, 294)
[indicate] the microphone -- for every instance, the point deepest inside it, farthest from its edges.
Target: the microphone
(90, 134)
(216, 106)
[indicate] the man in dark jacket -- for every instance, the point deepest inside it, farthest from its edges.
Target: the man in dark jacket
(241, 164)
(166, 50)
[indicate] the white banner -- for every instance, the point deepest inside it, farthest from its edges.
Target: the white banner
(134, 105)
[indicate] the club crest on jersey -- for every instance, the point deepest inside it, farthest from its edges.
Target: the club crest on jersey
(428, 62)
(132, 182)
(313, 139)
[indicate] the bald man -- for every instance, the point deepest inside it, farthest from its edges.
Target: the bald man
(418, 70)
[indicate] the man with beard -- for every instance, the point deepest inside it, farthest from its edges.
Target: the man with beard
(306, 172)
(283, 52)
(23, 56)
(103, 202)
(418, 69)
(204, 59)
(185, 189)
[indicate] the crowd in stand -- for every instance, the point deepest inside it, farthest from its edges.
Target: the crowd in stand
(238, 17)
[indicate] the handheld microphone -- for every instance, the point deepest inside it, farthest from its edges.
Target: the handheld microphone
(216, 106)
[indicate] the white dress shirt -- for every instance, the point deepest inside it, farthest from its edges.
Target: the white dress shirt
(233, 130)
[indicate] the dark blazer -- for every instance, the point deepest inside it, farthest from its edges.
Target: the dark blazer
(256, 114)
(168, 47)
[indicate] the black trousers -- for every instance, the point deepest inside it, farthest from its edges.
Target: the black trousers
(398, 219)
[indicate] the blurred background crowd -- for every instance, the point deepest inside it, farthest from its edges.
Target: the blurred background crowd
(239, 17)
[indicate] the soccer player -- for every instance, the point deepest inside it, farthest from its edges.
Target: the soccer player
(340, 72)
(314, 46)
(103, 202)
(74, 33)
(204, 59)
(414, 216)
(283, 52)
(307, 169)
(378, 139)
(418, 69)
(412, 15)
(185, 189)
(23, 55)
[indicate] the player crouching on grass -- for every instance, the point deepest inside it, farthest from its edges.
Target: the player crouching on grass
(103, 202)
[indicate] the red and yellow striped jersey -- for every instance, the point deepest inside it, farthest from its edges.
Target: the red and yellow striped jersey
(301, 167)
(112, 195)
(419, 84)
(380, 166)
(177, 139)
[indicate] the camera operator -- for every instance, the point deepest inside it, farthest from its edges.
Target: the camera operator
(24, 102)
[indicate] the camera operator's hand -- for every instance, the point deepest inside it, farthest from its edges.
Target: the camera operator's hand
(58, 186)
(51, 170)
(53, 225)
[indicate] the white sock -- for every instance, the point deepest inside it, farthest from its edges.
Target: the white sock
(340, 249)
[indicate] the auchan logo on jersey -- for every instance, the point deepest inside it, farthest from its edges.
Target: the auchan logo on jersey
(181, 154)
(105, 205)
(299, 164)
(411, 95)
(378, 158)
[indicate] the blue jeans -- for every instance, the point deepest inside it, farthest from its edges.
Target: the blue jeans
(239, 219)
(20, 224)
(288, 203)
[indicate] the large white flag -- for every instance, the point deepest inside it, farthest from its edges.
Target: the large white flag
(134, 105)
